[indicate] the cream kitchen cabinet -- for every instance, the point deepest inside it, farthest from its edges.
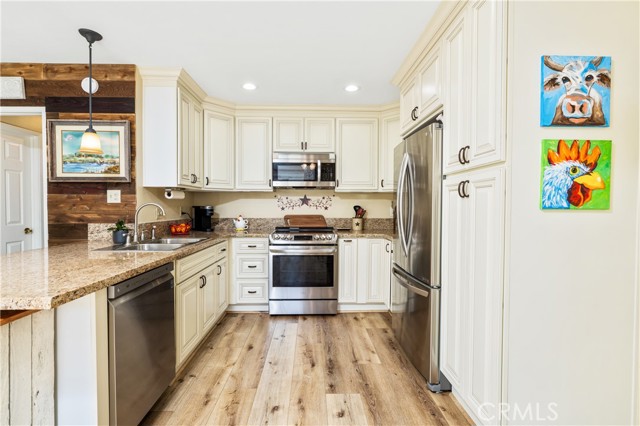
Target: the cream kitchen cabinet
(474, 88)
(357, 154)
(389, 139)
(472, 254)
(421, 98)
(201, 283)
(218, 151)
(250, 274)
(253, 154)
(364, 273)
(172, 122)
(292, 134)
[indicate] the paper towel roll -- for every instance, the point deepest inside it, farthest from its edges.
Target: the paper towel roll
(172, 194)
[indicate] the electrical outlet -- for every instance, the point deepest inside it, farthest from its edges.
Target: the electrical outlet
(113, 195)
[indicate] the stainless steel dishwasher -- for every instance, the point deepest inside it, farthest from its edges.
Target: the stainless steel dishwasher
(142, 354)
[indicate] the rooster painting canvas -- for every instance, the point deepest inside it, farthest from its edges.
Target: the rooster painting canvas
(575, 176)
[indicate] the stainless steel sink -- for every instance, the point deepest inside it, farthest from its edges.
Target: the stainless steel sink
(149, 247)
(175, 240)
(159, 244)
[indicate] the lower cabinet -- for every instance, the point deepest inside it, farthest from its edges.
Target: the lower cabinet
(364, 273)
(201, 297)
(250, 274)
(472, 256)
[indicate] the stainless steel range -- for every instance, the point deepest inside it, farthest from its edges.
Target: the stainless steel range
(303, 264)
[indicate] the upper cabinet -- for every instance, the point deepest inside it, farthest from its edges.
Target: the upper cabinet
(389, 139)
(172, 122)
(357, 154)
(421, 98)
(303, 134)
(218, 151)
(253, 154)
(474, 90)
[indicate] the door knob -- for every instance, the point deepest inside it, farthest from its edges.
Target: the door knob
(28, 231)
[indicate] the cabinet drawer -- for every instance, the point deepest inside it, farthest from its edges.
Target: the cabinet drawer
(252, 291)
(187, 266)
(251, 245)
(252, 267)
(220, 251)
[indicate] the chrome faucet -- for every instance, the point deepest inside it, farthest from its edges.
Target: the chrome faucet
(135, 222)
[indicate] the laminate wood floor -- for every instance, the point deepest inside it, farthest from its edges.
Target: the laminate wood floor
(302, 370)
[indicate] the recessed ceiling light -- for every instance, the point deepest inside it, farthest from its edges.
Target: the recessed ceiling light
(249, 86)
(352, 88)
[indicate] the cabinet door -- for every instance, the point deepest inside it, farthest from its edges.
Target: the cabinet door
(319, 135)
(409, 108)
(190, 140)
(430, 84)
(389, 139)
(253, 154)
(357, 155)
(208, 293)
(347, 270)
(287, 134)
(218, 151)
(455, 276)
(455, 88)
(374, 280)
(485, 232)
(222, 284)
(187, 324)
(487, 83)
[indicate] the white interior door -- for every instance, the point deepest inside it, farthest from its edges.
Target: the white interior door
(20, 206)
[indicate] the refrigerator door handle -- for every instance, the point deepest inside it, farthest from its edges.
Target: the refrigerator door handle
(411, 284)
(400, 203)
(411, 190)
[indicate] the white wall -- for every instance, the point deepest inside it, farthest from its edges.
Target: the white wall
(572, 276)
(264, 204)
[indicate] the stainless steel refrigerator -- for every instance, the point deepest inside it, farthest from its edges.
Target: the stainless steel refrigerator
(415, 292)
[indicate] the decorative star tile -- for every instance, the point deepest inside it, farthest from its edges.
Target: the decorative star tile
(286, 203)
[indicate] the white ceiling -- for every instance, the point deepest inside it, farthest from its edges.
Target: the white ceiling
(296, 52)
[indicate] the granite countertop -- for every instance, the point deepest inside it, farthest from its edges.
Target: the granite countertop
(49, 277)
(378, 233)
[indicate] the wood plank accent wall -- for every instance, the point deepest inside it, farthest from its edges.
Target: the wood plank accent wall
(57, 87)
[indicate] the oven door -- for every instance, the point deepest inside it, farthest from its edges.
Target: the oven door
(303, 272)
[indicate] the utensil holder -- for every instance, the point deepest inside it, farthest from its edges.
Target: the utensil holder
(357, 224)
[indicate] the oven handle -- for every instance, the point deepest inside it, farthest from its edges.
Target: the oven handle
(304, 250)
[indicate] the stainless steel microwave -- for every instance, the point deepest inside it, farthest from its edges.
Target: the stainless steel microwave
(298, 170)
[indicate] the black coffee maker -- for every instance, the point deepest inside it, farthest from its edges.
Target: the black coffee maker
(203, 218)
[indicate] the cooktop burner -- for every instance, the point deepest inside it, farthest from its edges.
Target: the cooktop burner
(303, 235)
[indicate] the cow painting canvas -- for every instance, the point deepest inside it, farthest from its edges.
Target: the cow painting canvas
(575, 91)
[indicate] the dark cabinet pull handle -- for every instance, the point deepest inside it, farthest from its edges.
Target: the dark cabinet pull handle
(465, 150)
(302, 145)
(252, 246)
(206, 179)
(269, 183)
(252, 266)
(194, 178)
(347, 241)
(387, 248)
(224, 249)
(381, 183)
(219, 269)
(460, 159)
(460, 193)
(251, 291)
(306, 146)
(337, 183)
(414, 114)
(203, 280)
(464, 189)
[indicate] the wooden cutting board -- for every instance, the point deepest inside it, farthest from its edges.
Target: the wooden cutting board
(305, 220)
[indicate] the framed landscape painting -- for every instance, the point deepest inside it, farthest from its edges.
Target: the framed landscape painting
(67, 162)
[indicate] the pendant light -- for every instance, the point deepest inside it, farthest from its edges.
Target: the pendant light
(90, 143)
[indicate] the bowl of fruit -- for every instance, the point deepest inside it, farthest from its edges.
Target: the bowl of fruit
(180, 228)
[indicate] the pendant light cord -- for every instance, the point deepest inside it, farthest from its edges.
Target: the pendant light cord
(90, 87)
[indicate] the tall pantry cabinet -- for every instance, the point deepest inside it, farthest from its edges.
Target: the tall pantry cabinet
(471, 49)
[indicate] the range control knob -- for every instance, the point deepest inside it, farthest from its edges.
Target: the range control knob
(316, 237)
(289, 237)
(276, 237)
